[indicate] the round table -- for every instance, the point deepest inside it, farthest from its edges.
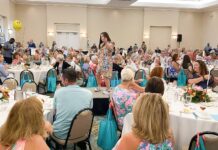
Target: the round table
(5, 107)
(185, 124)
(38, 73)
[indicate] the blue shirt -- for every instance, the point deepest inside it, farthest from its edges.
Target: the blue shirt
(8, 50)
(68, 101)
(3, 72)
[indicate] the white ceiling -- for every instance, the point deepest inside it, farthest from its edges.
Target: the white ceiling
(190, 4)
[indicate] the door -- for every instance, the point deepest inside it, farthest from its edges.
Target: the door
(68, 39)
(160, 37)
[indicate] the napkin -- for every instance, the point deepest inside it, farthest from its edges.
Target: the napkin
(215, 117)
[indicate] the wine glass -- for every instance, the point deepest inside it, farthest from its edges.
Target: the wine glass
(188, 99)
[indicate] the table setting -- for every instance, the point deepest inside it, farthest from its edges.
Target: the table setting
(8, 100)
(39, 71)
(192, 110)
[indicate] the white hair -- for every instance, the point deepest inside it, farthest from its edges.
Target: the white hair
(127, 74)
(94, 57)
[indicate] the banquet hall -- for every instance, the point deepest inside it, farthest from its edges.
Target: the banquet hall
(108, 74)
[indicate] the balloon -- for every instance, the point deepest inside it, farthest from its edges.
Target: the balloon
(17, 25)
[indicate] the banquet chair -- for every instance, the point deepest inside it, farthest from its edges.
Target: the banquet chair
(80, 130)
(32, 86)
(26, 76)
(140, 74)
(10, 83)
(114, 79)
(49, 84)
(210, 140)
(214, 73)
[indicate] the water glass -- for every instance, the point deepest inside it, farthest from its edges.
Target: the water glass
(187, 100)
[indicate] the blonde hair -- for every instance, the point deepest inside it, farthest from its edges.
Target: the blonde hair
(151, 118)
(24, 120)
(127, 74)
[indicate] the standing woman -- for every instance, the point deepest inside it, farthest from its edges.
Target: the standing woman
(105, 64)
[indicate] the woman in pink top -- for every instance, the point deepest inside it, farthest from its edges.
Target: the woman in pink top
(25, 127)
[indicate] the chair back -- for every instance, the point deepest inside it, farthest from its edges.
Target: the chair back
(29, 86)
(214, 73)
(51, 80)
(210, 140)
(81, 126)
(140, 74)
(114, 79)
(26, 76)
(11, 83)
(92, 81)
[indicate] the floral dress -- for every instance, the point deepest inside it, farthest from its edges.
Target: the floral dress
(105, 66)
(166, 145)
(123, 100)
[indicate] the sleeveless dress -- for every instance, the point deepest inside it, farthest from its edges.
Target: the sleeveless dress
(166, 145)
(20, 145)
(105, 66)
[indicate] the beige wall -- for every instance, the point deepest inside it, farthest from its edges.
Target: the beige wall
(159, 17)
(190, 26)
(125, 26)
(210, 28)
(33, 18)
(67, 14)
(7, 10)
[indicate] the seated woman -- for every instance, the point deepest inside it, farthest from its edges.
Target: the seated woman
(3, 69)
(37, 57)
(60, 64)
(156, 63)
(174, 68)
(125, 94)
(93, 64)
(156, 72)
(200, 75)
(25, 127)
(187, 65)
(152, 87)
(151, 126)
(17, 59)
(116, 66)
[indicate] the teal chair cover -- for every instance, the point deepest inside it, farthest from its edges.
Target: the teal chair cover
(115, 80)
(92, 82)
(182, 79)
(51, 81)
(25, 77)
(140, 74)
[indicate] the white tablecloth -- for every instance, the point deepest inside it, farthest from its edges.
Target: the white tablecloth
(38, 73)
(47, 107)
(184, 125)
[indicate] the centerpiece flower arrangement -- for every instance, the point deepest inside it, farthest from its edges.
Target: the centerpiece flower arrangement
(197, 93)
(4, 94)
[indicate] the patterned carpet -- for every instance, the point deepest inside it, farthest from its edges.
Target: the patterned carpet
(94, 134)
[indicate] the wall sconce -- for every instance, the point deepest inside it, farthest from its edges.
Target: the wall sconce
(174, 37)
(10, 31)
(83, 35)
(50, 33)
(146, 36)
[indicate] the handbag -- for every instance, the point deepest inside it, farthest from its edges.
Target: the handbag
(200, 143)
(107, 134)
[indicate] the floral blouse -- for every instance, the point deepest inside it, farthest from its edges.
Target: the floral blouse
(166, 145)
(123, 101)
